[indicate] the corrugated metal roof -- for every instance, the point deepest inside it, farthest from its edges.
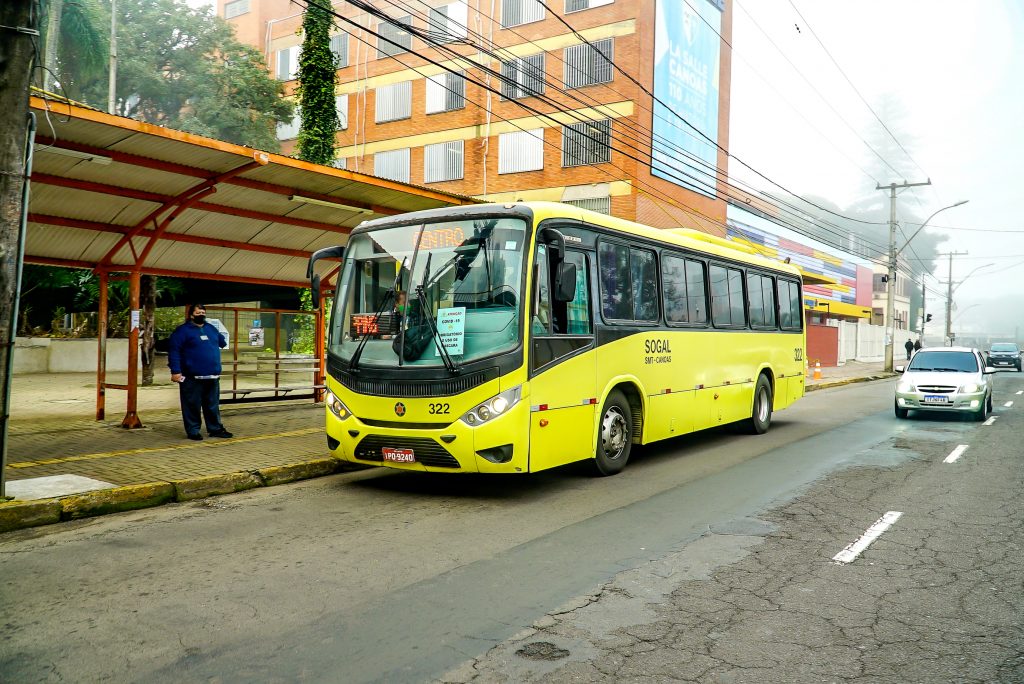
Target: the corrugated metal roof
(216, 210)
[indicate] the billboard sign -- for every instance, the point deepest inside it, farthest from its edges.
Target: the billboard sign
(686, 64)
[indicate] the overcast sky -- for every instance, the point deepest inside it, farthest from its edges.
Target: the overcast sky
(956, 72)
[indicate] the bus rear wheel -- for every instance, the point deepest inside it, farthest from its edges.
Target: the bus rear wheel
(761, 413)
(615, 435)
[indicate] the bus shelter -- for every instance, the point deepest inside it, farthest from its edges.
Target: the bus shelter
(126, 198)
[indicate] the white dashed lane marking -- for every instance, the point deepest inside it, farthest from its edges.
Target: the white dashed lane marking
(850, 553)
(1020, 391)
(990, 420)
(955, 454)
(1008, 404)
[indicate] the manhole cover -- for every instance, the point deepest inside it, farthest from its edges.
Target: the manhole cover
(542, 650)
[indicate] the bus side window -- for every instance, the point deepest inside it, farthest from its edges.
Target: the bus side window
(578, 310)
(541, 319)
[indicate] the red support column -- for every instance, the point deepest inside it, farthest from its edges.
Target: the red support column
(319, 351)
(101, 359)
(131, 418)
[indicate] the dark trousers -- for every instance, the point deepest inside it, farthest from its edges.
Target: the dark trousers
(196, 396)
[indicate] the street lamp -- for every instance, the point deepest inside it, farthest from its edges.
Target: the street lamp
(950, 289)
(890, 303)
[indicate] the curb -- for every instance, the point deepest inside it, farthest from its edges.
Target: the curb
(17, 515)
(848, 381)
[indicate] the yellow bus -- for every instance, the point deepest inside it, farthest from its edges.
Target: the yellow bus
(512, 338)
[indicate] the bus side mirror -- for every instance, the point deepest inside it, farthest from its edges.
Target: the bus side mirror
(565, 282)
(314, 279)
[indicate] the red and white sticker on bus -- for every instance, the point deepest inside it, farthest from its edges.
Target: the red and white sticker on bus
(398, 455)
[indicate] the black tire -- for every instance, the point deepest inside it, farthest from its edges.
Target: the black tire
(982, 413)
(615, 435)
(761, 410)
(990, 403)
(900, 412)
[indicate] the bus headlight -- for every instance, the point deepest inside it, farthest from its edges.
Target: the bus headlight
(493, 407)
(337, 407)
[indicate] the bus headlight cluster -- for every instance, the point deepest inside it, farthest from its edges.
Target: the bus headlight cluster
(493, 407)
(337, 407)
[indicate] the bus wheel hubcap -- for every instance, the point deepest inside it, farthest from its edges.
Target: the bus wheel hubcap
(762, 405)
(613, 433)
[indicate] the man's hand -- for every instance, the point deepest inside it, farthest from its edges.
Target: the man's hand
(177, 377)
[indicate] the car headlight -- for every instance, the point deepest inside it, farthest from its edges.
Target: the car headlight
(337, 407)
(970, 388)
(904, 386)
(493, 407)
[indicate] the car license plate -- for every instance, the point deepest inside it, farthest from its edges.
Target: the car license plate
(398, 455)
(935, 399)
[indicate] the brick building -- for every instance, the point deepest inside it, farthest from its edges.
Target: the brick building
(408, 119)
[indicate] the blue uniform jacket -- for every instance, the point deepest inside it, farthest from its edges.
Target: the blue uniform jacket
(194, 350)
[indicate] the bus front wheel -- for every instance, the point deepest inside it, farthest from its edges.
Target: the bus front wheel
(615, 435)
(761, 413)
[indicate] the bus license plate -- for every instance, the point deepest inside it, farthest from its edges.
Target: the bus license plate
(935, 399)
(398, 455)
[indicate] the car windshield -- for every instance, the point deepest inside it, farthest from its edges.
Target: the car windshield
(1004, 347)
(944, 361)
(464, 277)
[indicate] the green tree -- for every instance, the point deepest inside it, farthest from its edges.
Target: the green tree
(182, 68)
(75, 45)
(318, 74)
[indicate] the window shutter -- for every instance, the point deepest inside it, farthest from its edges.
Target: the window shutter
(393, 165)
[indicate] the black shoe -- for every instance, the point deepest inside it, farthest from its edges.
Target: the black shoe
(223, 433)
(196, 437)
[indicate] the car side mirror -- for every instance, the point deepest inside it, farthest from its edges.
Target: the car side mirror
(989, 370)
(900, 369)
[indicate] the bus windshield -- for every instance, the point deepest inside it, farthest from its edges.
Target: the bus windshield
(408, 290)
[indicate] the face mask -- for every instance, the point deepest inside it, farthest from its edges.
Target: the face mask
(199, 319)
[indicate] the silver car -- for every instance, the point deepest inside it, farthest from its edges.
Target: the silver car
(945, 379)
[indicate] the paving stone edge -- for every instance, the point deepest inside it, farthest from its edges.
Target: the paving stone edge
(847, 381)
(16, 515)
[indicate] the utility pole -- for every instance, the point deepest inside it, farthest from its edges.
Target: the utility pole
(924, 310)
(890, 297)
(112, 86)
(948, 342)
(19, 33)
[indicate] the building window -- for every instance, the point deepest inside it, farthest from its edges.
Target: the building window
(521, 151)
(516, 12)
(393, 165)
(341, 104)
(683, 281)
(448, 23)
(288, 63)
(446, 92)
(602, 205)
(588, 142)
(588, 63)
(393, 102)
(340, 163)
(577, 5)
(288, 130)
(442, 162)
(522, 77)
(339, 47)
(236, 8)
(394, 36)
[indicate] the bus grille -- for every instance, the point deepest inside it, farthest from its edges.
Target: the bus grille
(427, 451)
(412, 389)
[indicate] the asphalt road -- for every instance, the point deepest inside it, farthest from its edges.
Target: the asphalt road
(708, 559)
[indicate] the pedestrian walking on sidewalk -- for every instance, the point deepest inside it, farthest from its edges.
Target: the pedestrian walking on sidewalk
(917, 345)
(193, 354)
(909, 346)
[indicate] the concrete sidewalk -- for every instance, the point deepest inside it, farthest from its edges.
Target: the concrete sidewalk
(63, 464)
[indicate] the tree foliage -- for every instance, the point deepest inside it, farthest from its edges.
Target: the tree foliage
(76, 45)
(318, 74)
(183, 68)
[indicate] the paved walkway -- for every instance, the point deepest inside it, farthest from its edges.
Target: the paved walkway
(53, 434)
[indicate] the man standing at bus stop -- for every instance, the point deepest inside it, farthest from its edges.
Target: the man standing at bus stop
(193, 354)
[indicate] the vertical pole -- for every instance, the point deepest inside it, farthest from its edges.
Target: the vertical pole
(277, 351)
(924, 312)
(101, 360)
(131, 417)
(112, 87)
(890, 291)
(949, 305)
(234, 357)
(319, 351)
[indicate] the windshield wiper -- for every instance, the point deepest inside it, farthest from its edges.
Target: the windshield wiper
(353, 364)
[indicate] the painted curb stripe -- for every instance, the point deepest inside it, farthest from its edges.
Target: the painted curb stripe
(955, 454)
(850, 553)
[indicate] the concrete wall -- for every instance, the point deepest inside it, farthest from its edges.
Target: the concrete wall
(57, 355)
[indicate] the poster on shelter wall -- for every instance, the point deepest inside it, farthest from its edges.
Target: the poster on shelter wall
(687, 43)
(256, 337)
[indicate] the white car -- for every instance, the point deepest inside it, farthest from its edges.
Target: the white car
(945, 379)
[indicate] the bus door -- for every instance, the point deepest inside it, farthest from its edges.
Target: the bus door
(563, 367)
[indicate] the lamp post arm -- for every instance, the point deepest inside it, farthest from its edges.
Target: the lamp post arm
(921, 227)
